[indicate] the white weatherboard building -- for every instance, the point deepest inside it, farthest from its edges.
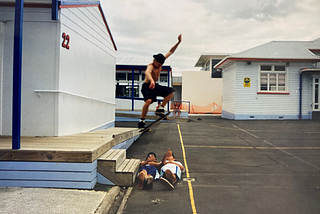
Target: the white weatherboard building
(276, 80)
(68, 68)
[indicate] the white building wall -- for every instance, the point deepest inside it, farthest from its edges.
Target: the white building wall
(38, 70)
(62, 93)
(229, 91)
(250, 105)
(87, 72)
(200, 89)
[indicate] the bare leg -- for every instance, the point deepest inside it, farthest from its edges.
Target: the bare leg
(142, 176)
(167, 99)
(145, 108)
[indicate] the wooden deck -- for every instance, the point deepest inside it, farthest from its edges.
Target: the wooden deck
(78, 148)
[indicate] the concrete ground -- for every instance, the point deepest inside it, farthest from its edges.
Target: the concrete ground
(16, 200)
(234, 167)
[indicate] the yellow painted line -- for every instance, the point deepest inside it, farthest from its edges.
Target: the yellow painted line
(193, 205)
(252, 147)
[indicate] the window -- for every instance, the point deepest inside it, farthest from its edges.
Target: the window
(136, 76)
(125, 90)
(121, 76)
(163, 78)
(215, 73)
(273, 78)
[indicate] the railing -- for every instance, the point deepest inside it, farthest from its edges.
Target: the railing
(184, 105)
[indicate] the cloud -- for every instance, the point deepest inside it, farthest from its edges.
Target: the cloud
(146, 27)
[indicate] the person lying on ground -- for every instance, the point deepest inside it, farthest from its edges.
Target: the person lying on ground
(171, 170)
(148, 171)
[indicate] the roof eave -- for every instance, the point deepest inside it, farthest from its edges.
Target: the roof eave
(266, 59)
(309, 70)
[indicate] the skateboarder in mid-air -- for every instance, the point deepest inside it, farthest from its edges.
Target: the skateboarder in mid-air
(151, 89)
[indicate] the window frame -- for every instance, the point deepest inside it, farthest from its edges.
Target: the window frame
(272, 72)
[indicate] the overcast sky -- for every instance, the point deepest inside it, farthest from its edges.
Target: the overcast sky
(146, 27)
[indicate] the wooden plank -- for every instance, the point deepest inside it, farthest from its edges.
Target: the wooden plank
(128, 166)
(134, 166)
(96, 153)
(123, 165)
(83, 148)
(55, 156)
(105, 155)
(112, 156)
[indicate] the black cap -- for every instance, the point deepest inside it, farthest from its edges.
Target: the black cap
(151, 153)
(160, 58)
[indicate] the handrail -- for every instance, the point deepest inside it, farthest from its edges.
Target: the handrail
(72, 94)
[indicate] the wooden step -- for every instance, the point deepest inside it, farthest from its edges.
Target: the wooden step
(114, 166)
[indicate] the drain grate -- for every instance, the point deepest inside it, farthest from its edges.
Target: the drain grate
(189, 179)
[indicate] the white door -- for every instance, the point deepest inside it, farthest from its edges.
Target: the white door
(315, 94)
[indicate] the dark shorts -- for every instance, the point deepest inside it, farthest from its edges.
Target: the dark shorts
(158, 90)
(151, 170)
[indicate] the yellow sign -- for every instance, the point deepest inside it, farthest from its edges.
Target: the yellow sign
(246, 82)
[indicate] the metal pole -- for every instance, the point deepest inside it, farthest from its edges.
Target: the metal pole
(168, 107)
(132, 90)
(17, 64)
(300, 96)
(55, 5)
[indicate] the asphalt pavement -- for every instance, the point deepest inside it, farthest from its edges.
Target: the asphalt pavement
(258, 167)
(233, 167)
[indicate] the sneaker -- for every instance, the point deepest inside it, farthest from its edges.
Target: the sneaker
(166, 183)
(170, 176)
(141, 124)
(149, 180)
(160, 111)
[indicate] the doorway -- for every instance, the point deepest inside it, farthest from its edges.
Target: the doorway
(315, 94)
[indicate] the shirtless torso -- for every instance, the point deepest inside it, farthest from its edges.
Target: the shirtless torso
(153, 73)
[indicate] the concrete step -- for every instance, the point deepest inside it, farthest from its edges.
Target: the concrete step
(114, 166)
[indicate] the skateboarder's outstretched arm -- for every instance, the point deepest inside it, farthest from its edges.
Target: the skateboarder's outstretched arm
(172, 50)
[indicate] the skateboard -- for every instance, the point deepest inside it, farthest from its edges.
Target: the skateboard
(162, 117)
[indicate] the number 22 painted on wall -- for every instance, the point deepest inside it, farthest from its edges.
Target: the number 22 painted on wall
(66, 41)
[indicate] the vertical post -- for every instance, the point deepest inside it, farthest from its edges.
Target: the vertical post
(55, 5)
(168, 107)
(17, 65)
(300, 97)
(132, 90)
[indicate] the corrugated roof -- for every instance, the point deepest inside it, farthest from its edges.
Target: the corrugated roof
(282, 50)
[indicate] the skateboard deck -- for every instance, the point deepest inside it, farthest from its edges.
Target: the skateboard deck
(147, 128)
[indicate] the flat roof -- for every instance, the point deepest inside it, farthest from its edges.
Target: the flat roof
(205, 56)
